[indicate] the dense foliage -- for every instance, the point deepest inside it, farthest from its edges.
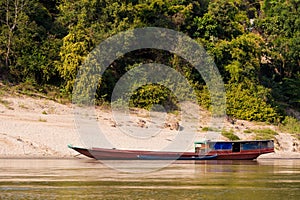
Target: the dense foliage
(255, 45)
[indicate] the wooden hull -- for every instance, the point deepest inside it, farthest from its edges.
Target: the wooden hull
(116, 154)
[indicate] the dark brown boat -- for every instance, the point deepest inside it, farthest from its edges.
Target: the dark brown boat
(220, 150)
(117, 154)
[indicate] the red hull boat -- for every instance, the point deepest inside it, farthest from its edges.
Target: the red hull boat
(219, 150)
(117, 154)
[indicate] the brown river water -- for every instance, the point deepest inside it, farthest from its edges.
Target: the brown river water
(89, 179)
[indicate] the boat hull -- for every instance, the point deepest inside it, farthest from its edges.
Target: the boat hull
(116, 154)
(113, 154)
(219, 150)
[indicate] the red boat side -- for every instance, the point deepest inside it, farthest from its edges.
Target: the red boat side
(220, 150)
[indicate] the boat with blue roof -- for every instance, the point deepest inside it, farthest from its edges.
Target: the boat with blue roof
(204, 150)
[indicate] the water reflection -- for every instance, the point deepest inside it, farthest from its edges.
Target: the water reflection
(89, 179)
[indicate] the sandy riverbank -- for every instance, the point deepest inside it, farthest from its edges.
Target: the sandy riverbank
(37, 127)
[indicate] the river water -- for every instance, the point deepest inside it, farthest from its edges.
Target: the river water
(89, 179)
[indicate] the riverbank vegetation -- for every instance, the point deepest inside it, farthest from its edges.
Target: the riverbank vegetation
(255, 45)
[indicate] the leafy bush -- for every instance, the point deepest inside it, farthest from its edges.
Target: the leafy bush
(291, 125)
(264, 134)
(210, 129)
(250, 103)
(149, 95)
(247, 102)
(247, 131)
(204, 97)
(230, 135)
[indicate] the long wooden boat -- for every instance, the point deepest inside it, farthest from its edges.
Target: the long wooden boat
(206, 150)
(118, 154)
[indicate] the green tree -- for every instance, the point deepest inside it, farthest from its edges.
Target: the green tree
(76, 45)
(225, 19)
(251, 102)
(31, 41)
(245, 61)
(12, 15)
(90, 22)
(279, 25)
(281, 30)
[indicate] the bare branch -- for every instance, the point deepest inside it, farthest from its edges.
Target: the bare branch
(12, 11)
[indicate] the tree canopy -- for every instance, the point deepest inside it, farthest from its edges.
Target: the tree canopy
(255, 45)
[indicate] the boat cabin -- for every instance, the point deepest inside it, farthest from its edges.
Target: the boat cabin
(232, 146)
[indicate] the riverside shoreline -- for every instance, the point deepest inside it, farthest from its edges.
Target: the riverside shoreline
(41, 128)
